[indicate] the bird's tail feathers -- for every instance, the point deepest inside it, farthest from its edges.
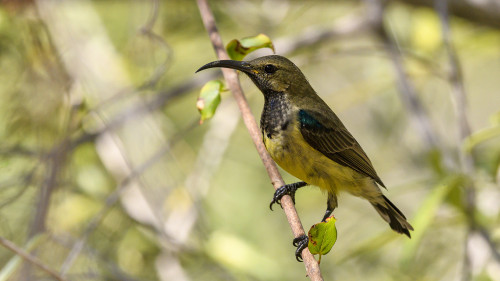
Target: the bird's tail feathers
(391, 214)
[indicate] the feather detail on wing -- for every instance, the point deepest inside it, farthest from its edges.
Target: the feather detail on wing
(330, 137)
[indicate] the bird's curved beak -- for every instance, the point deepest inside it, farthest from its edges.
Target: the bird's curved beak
(238, 65)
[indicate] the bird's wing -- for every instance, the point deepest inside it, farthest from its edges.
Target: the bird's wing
(329, 136)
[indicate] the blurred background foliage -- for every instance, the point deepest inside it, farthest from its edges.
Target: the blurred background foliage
(105, 173)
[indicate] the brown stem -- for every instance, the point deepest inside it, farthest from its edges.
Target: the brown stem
(231, 77)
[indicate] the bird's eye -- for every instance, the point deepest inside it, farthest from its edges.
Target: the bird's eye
(270, 69)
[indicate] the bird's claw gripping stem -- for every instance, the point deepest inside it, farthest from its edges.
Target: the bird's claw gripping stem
(301, 243)
(288, 189)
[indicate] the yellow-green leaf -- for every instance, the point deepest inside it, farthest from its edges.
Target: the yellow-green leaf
(238, 49)
(322, 237)
(480, 137)
(209, 99)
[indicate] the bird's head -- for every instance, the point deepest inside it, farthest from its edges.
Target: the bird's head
(270, 73)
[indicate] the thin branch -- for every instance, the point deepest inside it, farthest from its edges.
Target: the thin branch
(493, 247)
(21, 186)
(459, 98)
(94, 254)
(456, 80)
(147, 30)
(30, 258)
(54, 163)
(18, 150)
(231, 78)
(466, 161)
(407, 91)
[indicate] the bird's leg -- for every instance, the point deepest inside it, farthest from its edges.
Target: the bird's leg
(287, 189)
(301, 243)
(331, 204)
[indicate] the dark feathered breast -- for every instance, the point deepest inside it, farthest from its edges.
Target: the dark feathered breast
(274, 116)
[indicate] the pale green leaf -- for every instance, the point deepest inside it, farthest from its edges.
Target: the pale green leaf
(209, 99)
(322, 237)
(238, 49)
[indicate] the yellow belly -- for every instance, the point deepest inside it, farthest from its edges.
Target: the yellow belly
(292, 153)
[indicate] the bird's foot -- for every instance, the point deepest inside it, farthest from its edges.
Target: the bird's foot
(328, 213)
(301, 243)
(288, 189)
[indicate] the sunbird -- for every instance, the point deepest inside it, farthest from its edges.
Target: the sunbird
(307, 139)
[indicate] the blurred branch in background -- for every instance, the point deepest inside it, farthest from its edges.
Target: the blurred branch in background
(31, 259)
(101, 153)
(467, 161)
(408, 94)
